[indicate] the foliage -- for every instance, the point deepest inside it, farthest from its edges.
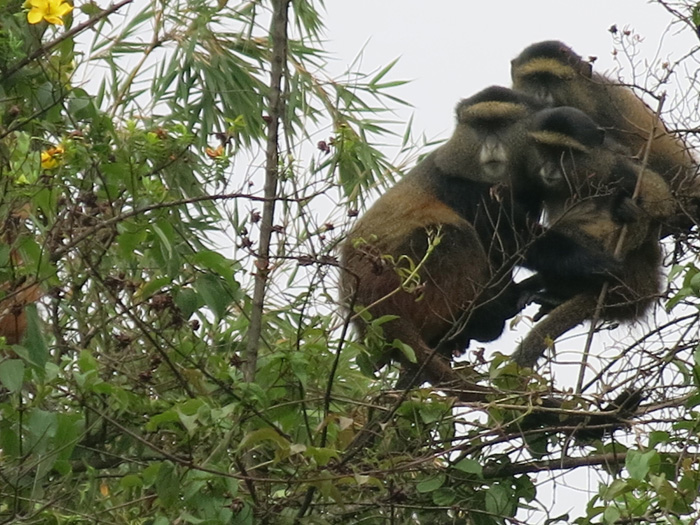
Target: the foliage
(132, 201)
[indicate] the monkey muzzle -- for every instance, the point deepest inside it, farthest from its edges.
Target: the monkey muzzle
(493, 159)
(550, 174)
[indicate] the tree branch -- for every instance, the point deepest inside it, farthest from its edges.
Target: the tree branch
(278, 32)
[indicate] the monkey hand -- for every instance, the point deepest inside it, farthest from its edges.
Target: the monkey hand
(625, 210)
(528, 290)
(547, 302)
(576, 259)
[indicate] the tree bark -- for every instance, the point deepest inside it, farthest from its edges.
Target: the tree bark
(278, 33)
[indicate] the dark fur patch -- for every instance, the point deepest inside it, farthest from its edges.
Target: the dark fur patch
(572, 123)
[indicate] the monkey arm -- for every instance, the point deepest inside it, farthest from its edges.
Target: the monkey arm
(557, 256)
(560, 320)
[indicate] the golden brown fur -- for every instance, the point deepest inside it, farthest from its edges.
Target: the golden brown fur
(13, 319)
(19, 291)
(588, 197)
(556, 74)
(460, 200)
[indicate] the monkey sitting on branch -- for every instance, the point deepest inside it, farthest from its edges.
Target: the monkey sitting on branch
(600, 199)
(555, 74)
(436, 251)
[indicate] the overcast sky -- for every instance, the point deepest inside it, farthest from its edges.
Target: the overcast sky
(450, 50)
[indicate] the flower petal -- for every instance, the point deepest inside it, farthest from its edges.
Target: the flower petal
(64, 9)
(55, 20)
(35, 16)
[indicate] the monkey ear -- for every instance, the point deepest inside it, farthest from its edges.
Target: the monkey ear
(462, 112)
(586, 69)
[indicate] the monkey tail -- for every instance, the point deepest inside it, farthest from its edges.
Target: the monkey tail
(563, 318)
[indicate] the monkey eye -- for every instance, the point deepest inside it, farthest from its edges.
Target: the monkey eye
(543, 78)
(494, 125)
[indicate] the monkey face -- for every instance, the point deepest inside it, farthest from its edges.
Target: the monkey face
(543, 86)
(493, 159)
(486, 150)
(501, 143)
(563, 138)
(560, 169)
(548, 70)
(490, 143)
(551, 175)
(549, 82)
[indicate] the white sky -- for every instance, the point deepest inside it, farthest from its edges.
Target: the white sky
(450, 50)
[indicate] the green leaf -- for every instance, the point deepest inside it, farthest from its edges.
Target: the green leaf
(406, 350)
(612, 515)
(444, 497)
(80, 105)
(431, 484)
(638, 464)
(213, 261)
(615, 489)
(90, 8)
(34, 339)
(244, 516)
(214, 293)
(658, 436)
(696, 15)
(167, 484)
(695, 283)
(148, 289)
(131, 242)
(432, 412)
(375, 81)
(42, 426)
(69, 427)
(187, 300)
(163, 419)
(264, 434)
(12, 374)
(322, 455)
(130, 481)
(470, 466)
(498, 500)
(86, 361)
(4, 255)
(165, 233)
(9, 440)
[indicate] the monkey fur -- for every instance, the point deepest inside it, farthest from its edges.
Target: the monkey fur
(13, 319)
(555, 74)
(587, 193)
(472, 198)
(18, 290)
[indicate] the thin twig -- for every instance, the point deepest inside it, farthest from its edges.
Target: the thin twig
(618, 248)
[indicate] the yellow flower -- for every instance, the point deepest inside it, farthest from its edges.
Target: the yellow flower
(52, 11)
(214, 153)
(51, 157)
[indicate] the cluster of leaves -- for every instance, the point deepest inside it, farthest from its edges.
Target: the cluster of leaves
(125, 402)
